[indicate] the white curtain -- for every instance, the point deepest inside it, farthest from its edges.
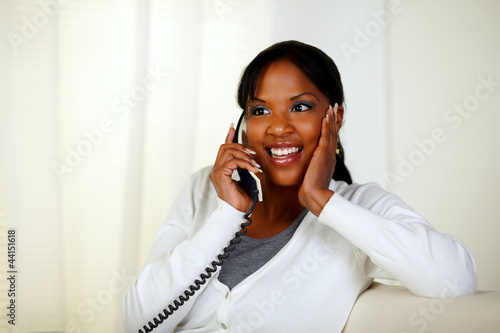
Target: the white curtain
(107, 106)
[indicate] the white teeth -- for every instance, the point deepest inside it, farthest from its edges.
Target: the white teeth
(284, 151)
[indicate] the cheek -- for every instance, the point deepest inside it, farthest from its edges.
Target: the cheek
(310, 133)
(253, 137)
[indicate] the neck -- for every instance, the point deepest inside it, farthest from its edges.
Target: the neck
(276, 212)
(282, 200)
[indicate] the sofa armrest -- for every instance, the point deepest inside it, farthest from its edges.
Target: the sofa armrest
(387, 309)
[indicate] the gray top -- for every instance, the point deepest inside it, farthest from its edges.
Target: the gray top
(251, 254)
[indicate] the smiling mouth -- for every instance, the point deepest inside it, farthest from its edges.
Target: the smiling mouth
(282, 153)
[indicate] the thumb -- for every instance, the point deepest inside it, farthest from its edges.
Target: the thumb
(230, 134)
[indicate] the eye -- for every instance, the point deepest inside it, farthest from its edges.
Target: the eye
(259, 110)
(301, 107)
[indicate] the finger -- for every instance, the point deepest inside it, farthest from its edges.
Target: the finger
(325, 135)
(327, 140)
(333, 130)
(230, 152)
(230, 134)
(331, 124)
(335, 109)
(227, 148)
(238, 154)
(229, 166)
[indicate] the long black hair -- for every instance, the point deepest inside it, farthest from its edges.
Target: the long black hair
(320, 69)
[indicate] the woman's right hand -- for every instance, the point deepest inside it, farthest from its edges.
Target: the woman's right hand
(229, 158)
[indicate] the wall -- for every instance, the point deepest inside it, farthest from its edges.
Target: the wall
(405, 64)
(443, 141)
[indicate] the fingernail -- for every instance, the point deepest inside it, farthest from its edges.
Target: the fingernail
(256, 164)
(231, 126)
(335, 110)
(251, 151)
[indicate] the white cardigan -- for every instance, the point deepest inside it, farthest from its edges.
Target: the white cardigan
(362, 233)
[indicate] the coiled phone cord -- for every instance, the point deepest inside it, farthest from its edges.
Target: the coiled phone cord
(162, 316)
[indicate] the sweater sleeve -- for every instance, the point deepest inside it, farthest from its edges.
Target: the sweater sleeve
(400, 243)
(180, 253)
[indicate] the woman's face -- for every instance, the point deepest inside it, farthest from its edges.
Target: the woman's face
(284, 122)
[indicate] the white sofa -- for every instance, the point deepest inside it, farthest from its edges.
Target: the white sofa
(388, 309)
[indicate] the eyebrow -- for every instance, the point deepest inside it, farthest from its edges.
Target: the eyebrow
(293, 98)
(306, 93)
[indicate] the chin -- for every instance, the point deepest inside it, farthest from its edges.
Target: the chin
(285, 178)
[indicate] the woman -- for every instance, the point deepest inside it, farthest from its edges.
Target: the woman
(315, 243)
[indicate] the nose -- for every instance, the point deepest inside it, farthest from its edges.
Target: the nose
(279, 125)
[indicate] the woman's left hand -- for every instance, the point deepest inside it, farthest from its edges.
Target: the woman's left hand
(314, 192)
